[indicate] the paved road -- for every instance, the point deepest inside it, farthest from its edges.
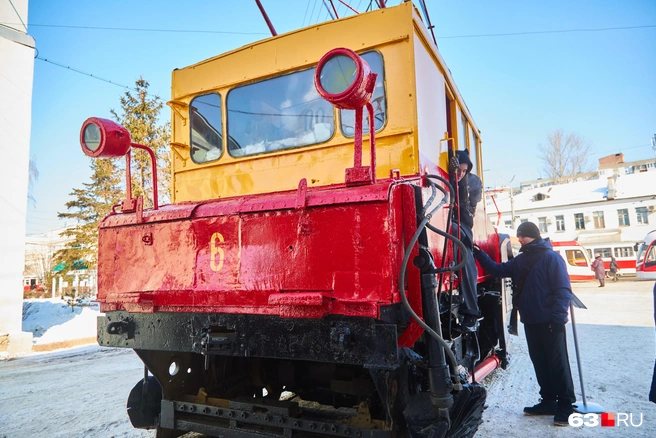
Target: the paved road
(616, 340)
(73, 393)
(82, 392)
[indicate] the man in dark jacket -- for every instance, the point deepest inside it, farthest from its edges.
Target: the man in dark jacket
(543, 304)
(652, 391)
(470, 190)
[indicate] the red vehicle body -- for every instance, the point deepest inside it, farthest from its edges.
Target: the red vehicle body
(646, 257)
(624, 253)
(576, 260)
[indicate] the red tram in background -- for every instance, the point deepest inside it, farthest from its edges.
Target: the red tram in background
(646, 257)
(576, 260)
(304, 282)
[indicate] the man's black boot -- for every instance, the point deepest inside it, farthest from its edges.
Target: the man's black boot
(545, 407)
(562, 415)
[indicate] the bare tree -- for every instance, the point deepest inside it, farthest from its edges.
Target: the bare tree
(39, 263)
(33, 176)
(564, 155)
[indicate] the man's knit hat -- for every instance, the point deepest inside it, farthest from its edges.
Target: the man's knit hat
(528, 229)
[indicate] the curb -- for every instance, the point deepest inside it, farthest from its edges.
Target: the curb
(63, 344)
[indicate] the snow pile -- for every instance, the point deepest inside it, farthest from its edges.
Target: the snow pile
(53, 320)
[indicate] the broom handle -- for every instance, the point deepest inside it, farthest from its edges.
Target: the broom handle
(578, 356)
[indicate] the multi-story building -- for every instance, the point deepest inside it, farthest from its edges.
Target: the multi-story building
(607, 213)
(16, 72)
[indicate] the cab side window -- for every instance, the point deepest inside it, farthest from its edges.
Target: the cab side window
(206, 128)
(378, 101)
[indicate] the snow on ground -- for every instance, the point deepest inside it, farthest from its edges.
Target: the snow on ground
(53, 320)
(616, 341)
(82, 392)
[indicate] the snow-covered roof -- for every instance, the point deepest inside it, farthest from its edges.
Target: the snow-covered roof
(627, 186)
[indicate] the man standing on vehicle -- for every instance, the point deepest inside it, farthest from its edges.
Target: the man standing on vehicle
(470, 189)
(544, 294)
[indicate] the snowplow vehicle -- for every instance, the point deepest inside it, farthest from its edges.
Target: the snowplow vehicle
(305, 280)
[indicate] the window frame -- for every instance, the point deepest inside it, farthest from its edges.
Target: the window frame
(560, 223)
(623, 252)
(364, 110)
(598, 218)
(579, 221)
(621, 217)
(605, 252)
(642, 214)
(191, 124)
(571, 257)
(263, 80)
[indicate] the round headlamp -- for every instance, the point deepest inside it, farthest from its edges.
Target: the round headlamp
(102, 138)
(344, 79)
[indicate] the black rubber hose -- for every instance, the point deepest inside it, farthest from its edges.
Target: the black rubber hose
(446, 182)
(456, 241)
(404, 298)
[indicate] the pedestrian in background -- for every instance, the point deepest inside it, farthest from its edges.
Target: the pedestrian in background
(543, 294)
(599, 270)
(613, 269)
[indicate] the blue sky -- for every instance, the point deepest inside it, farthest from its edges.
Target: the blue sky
(599, 84)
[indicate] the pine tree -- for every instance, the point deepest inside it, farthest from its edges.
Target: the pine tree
(89, 206)
(140, 113)
(106, 189)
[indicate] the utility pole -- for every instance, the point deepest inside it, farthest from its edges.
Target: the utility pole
(512, 209)
(512, 203)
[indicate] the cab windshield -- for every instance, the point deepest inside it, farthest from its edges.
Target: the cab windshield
(575, 257)
(287, 112)
(280, 113)
(641, 252)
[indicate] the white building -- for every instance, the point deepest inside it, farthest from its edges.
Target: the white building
(40, 250)
(16, 74)
(619, 205)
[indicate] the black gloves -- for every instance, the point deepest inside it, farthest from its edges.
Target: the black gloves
(454, 164)
(476, 249)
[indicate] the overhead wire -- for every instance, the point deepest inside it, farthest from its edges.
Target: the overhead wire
(138, 29)
(306, 11)
(537, 32)
(310, 20)
(325, 4)
(19, 17)
(84, 73)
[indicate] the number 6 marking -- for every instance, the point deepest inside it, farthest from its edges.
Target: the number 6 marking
(215, 264)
